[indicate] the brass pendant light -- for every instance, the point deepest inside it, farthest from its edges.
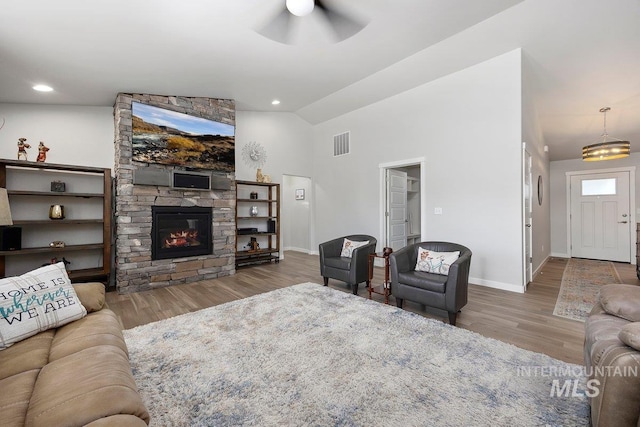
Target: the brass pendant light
(606, 150)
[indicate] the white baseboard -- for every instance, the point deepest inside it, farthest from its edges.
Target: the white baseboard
(497, 285)
(292, 248)
(542, 264)
(560, 255)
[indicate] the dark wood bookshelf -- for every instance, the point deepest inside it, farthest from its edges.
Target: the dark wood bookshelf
(70, 174)
(269, 202)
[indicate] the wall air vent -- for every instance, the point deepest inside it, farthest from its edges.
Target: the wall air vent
(341, 144)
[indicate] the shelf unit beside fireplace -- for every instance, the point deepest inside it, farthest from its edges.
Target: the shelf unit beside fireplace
(86, 231)
(268, 205)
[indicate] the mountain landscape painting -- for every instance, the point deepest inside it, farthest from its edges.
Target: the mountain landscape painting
(177, 139)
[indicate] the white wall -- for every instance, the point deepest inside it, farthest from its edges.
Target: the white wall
(468, 127)
(532, 136)
(287, 142)
(76, 135)
(296, 214)
(285, 137)
(558, 194)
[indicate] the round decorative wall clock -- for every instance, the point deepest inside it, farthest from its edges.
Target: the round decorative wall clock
(254, 154)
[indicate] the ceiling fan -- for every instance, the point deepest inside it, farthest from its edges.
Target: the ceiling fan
(342, 25)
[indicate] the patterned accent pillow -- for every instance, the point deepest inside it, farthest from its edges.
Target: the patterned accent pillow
(36, 301)
(349, 245)
(435, 262)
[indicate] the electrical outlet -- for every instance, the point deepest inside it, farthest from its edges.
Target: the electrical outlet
(437, 211)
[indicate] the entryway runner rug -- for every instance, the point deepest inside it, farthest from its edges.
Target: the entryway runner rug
(581, 283)
(308, 355)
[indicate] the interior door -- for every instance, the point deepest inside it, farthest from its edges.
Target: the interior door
(528, 224)
(396, 209)
(600, 226)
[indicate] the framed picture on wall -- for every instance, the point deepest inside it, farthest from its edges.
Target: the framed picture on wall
(300, 194)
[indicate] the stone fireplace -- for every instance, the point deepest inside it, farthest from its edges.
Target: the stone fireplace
(187, 256)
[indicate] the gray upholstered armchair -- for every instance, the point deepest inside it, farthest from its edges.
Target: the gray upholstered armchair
(434, 290)
(352, 270)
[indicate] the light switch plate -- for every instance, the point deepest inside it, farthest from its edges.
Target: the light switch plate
(437, 211)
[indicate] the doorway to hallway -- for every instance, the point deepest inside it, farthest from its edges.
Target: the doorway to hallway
(401, 207)
(296, 213)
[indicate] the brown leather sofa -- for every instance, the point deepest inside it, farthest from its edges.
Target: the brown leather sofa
(612, 357)
(74, 375)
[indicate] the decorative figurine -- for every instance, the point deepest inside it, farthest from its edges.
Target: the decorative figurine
(42, 152)
(260, 177)
(253, 245)
(22, 148)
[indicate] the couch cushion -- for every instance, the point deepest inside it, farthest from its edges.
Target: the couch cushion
(102, 385)
(601, 333)
(428, 281)
(435, 262)
(348, 247)
(14, 398)
(31, 353)
(118, 421)
(621, 301)
(91, 295)
(630, 335)
(98, 328)
(36, 301)
(340, 263)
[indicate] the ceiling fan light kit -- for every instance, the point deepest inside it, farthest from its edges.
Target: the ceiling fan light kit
(606, 150)
(341, 25)
(300, 7)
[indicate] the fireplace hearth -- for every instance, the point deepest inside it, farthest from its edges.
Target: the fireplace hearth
(178, 232)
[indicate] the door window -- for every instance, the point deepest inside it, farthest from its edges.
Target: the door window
(599, 187)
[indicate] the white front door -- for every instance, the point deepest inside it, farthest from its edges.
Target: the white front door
(396, 209)
(600, 216)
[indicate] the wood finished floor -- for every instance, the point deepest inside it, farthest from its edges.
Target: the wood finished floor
(524, 320)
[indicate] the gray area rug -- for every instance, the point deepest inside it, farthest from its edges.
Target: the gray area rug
(309, 355)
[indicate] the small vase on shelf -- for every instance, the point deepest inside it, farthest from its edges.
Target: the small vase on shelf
(56, 212)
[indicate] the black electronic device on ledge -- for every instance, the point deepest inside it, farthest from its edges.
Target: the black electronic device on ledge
(10, 238)
(249, 230)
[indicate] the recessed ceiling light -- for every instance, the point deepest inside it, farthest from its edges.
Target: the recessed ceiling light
(42, 88)
(275, 102)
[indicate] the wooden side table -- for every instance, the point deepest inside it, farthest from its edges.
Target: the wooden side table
(385, 287)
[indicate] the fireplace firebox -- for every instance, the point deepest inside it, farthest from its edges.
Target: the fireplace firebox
(178, 232)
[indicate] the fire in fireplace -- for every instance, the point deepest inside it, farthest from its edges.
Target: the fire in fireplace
(178, 232)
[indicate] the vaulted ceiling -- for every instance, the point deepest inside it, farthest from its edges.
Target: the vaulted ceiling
(581, 55)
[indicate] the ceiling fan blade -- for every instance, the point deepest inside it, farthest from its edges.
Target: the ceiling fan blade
(278, 28)
(343, 26)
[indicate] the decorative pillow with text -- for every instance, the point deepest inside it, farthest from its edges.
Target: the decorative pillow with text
(435, 262)
(349, 245)
(36, 301)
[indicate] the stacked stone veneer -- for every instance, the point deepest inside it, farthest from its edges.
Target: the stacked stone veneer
(135, 270)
